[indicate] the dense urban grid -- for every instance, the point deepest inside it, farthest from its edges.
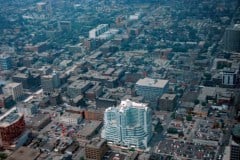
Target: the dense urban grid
(120, 79)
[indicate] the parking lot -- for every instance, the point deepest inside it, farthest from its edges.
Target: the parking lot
(181, 149)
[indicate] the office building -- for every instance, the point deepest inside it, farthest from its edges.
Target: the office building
(12, 126)
(96, 149)
(231, 38)
(100, 29)
(28, 80)
(128, 124)
(151, 89)
(50, 82)
(229, 77)
(14, 89)
(78, 87)
(5, 62)
(6, 101)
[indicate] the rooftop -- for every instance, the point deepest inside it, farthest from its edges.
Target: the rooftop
(24, 153)
(129, 103)
(97, 143)
(89, 128)
(148, 82)
(168, 96)
(9, 117)
(12, 85)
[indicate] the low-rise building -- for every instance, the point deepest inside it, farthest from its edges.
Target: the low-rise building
(25, 153)
(90, 128)
(77, 88)
(39, 121)
(168, 102)
(96, 149)
(70, 118)
(6, 101)
(94, 114)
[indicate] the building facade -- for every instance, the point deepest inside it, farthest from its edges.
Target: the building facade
(94, 33)
(96, 149)
(12, 125)
(50, 82)
(229, 77)
(6, 101)
(168, 102)
(128, 124)
(231, 39)
(151, 89)
(14, 89)
(235, 143)
(5, 62)
(28, 80)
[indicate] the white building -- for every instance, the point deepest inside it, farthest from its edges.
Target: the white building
(151, 89)
(229, 77)
(128, 124)
(94, 33)
(14, 89)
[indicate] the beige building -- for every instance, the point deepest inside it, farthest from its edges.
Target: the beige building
(14, 89)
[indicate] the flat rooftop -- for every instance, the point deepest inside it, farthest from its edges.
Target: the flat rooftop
(24, 153)
(97, 143)
(149, 82)
(79, 84)
(12, 85)
(89, 128)
(9, 117)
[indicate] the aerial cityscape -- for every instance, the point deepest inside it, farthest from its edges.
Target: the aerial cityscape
(120, 80)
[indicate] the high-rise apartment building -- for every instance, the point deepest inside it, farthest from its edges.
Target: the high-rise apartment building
(128, 124)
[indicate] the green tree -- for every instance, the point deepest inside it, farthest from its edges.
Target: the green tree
(173, 116)
(3, 156)
(159, 128)
(196, 101)
(172, 130)
(82, 158)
